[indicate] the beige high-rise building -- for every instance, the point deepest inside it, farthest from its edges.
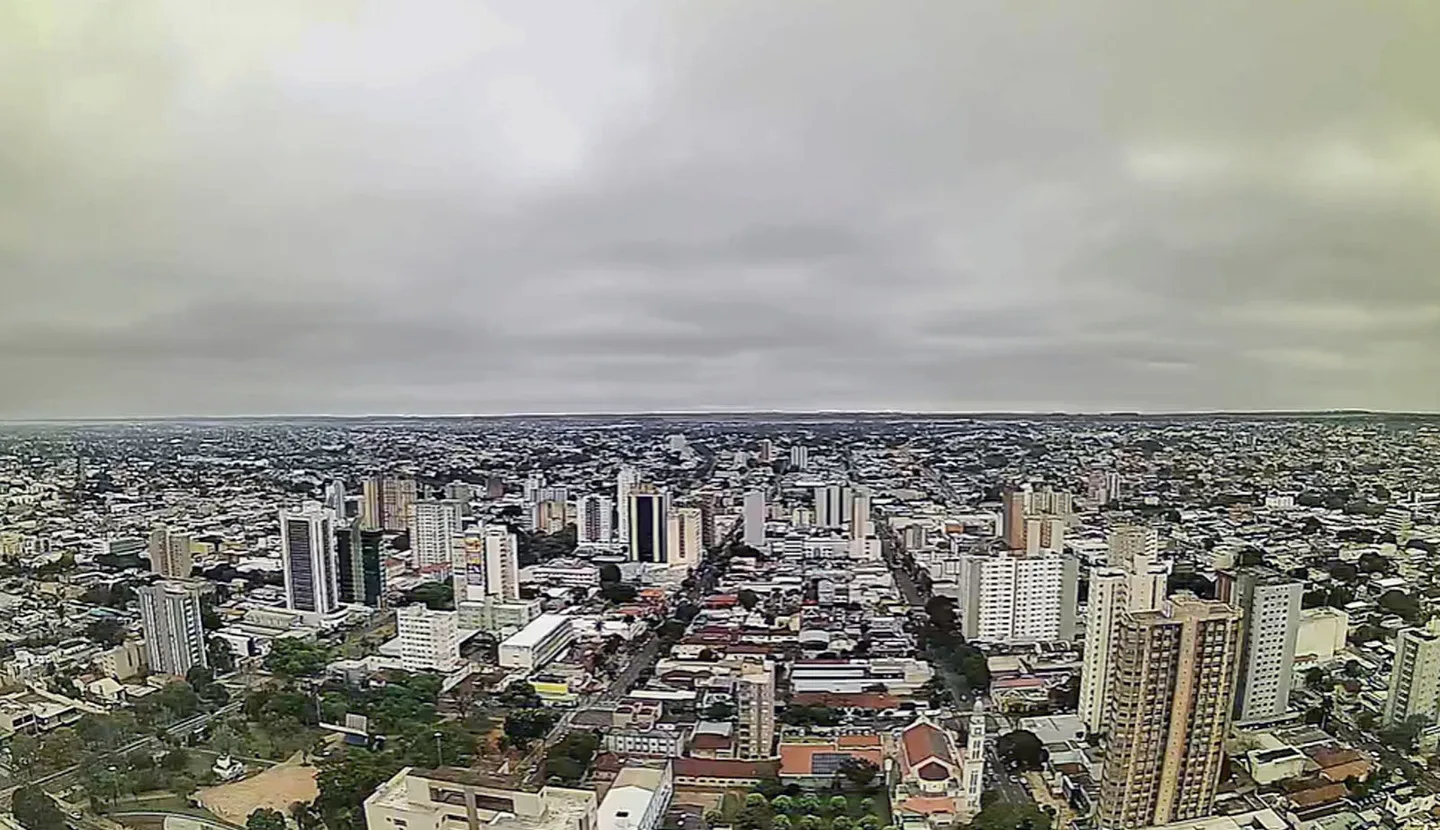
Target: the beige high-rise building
(1129, 541)
(1172, 689)
(1415, 676)
(170, 555)
(684, 542)
(755, 709)
(387, 503)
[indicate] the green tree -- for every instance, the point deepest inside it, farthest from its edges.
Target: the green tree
(220, 656)
(1403, 736)
(808, 804)
(106, 631)
(755, 800)
(527, 725)
(346, 781)
(35, 811)
(719, 711)
(869, 822)
(714, 818)
(842, 822)
(780, 822)
(837, 804)
(783, 803)
(810, 821)
(437, 596)
(748, 599)
(1006, 816)
(1021, 750)
(609, 572)
(60, 749)
(1315, 677)
(857, 772)
(265, 818)
(176, 759)
(290, 657)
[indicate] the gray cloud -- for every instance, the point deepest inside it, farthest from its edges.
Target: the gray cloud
(445, 206)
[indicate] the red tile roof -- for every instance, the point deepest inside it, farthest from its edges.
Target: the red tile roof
(923, 741)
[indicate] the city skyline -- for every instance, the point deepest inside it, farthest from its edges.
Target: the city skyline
(447, 207)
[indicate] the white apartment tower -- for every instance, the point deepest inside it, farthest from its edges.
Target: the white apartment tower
(433, 529)
(754, 519)
(502, 564)
(800, 458)
(174, 636)
(1113, 591)
(833, 503)
(1269, 628)
(1014, 598)
(625, 481)
(428, 639)
(860, 524)
(594, 520)
(307, 539)
(1415, 676)
(755, 710)
(170, 555)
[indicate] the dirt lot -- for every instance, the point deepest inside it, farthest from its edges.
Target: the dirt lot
(277, 788)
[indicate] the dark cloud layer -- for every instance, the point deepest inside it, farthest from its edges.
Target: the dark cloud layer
(447, 206)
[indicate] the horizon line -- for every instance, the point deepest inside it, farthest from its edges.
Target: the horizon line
(720, 413)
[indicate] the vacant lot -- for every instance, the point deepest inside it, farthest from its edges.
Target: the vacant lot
(276, 788)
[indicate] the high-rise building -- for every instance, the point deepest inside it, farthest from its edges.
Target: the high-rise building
(973, 775)
(706, 503)
(1172, 692)
(549, 516)
(753, 518)
(531, 490)
(594, 520)
(833, 503)
(1012, 519)
(682, 544)
(1104, 488)
(428, 639)
(1014, 598)
(800, 458)
(174, 635)
(625, 481)
(860, 524)
(335, 498)
(432, 531)
(312, 579)
(387, 502)
(765, 451)
(1047, 501)
(170, 555)
(755, 710)
(1113, 591)
(1044, 533)
(648, 536)
(1270, 623)
(360, 564)
(1129, 541)
(485, 566)
(502, 564)
(1414, 676)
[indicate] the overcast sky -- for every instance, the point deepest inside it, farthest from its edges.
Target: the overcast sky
(329, 206)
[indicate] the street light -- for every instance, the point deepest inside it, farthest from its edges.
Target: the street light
(439, 756)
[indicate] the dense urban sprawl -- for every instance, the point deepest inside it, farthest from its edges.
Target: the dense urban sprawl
(749, 622)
